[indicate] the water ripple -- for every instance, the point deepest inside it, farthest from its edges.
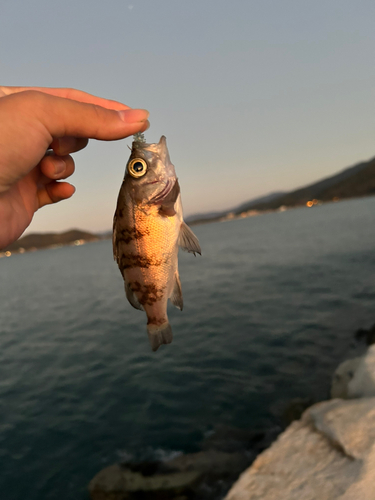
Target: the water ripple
(270, 310)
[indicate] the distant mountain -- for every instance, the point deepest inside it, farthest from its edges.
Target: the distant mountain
(205, 215)
(263, 199)
(212, 216)
(44, 240)
(352, 182)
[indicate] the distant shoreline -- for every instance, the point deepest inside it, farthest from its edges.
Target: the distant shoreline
(44, 241)
(283, 208)
(354, 182)
(78, 238)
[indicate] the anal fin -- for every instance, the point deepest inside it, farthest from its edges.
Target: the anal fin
(176, 297)
(188, 241)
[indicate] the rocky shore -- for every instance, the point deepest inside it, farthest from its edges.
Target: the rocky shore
(327, 454)
(206, 474)
(330, 453)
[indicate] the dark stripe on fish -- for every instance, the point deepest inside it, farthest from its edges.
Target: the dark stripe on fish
(156, 321)
(129, 260)
(131, 233)
(147, 294)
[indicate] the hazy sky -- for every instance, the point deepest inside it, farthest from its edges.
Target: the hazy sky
(253, 96)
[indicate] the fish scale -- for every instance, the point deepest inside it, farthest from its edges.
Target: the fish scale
(154, 246)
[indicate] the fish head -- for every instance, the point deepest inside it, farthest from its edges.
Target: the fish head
(150, 174)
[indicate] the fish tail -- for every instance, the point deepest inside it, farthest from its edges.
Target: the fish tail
(159, 334)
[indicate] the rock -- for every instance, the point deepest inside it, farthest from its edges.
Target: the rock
(185, 475)
(212, 463)
(218, 470)
(119, 483)
(342, 376)
(108, 480)
(349, 425)
(363, 381)
(328, 455)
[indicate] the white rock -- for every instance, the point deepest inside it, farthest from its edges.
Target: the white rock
(349, 425)
(363, 381)
(342, 376)
(328, 455)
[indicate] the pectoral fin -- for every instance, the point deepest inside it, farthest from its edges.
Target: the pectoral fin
(176, 297)
(188, 241)
(132, 298)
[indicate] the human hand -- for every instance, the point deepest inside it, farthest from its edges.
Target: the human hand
(34, 120)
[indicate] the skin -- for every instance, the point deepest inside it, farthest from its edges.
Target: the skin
(39, 129)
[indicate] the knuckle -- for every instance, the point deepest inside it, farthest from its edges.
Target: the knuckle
(34, 96)
(30, 101)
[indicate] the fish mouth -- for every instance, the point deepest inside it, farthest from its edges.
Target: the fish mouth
(159, 197)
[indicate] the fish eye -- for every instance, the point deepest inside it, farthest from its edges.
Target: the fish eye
(137, 167)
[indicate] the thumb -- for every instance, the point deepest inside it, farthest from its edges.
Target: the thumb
(66, 117)
(31, 120)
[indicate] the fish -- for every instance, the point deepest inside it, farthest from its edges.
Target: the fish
(148, 230)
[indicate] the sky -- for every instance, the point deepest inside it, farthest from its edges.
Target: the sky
(254, 96)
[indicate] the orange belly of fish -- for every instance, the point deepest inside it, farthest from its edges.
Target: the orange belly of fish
(150, 261)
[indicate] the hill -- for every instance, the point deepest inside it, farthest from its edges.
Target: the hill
(214, 216)
(45, 240)
(353, 182)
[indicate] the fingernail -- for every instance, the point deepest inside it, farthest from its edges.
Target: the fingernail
(60, 166)
(146, 126)
(133, 115)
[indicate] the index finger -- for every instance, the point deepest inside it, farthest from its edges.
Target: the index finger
(69, 93)
(50, 117)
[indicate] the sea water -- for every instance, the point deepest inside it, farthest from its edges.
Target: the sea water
(269, 311)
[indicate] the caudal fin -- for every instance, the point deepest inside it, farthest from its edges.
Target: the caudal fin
(159, 334)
